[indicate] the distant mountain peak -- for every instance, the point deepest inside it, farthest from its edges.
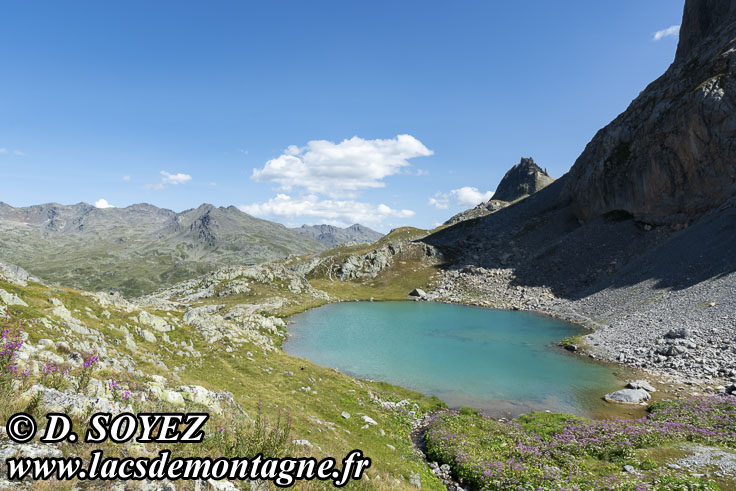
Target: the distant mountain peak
(332, 236)
(523, 179)
(90, 247)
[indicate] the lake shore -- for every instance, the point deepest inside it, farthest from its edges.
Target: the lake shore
(590, 399)
(700, 361)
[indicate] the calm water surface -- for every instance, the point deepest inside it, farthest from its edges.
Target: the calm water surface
(506, 362)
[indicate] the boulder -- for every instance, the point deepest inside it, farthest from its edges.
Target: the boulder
(415, 480)
(680, 333)
(72, 403)
(30, 450)
(418, 292)
(641, 384)
(154, 321)
(214, 401)
(11, 298)
(628, 396)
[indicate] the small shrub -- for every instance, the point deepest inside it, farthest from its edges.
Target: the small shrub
(270, 438)
(86, 375)
(469, 411)
(53, 376)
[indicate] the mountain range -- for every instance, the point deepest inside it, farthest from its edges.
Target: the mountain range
(332, 236)
(139, 248)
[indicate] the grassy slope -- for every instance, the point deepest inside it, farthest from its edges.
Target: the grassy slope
(250, 374)
(551, 449)
(409, 270)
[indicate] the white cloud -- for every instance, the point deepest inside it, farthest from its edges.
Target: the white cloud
(3, 150)
(672, 31)
(341, 169)
(169, 178)
(465, 196)
(244, 152)
(102, 203)
(175, 178)
(126, 178)
(441, 201)
(470, 196)
(18, 152)
(336, 212)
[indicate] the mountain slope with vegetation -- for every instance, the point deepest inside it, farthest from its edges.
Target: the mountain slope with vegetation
(137, 249)
(212, 344)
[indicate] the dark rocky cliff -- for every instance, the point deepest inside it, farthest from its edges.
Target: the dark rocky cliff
(672, 154)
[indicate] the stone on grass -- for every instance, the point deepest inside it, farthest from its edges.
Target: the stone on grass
(628, 396)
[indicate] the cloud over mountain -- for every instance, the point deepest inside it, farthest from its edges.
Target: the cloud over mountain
(338, 212)
(341, 169)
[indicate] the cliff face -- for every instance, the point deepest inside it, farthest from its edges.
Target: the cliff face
(521, 180)
(672, 154)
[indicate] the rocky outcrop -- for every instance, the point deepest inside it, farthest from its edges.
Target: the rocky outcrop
(11, 299)
(479, 210)
(370, 264)
(672, 154)
(16, 275)
(521, 180)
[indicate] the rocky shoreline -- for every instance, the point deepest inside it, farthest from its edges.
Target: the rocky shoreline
(695, 359)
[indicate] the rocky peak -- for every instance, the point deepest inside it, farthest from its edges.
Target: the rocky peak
(204, 226)
(703, 19)
(521, 180)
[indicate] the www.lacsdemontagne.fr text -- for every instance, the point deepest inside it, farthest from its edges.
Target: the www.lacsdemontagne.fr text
(282, 472)
(163, 428)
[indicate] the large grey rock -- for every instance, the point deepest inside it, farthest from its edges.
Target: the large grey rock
(641, 384)
(11, 298)
(680, 333)
(216, 401)
(628, 396)
(29, 450)
(72, 403)
(418, 292)
(154, 321)
(15, 274)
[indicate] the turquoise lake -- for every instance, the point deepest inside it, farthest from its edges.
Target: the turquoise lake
(501, 361)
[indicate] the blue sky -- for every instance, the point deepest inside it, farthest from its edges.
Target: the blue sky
(389, 113)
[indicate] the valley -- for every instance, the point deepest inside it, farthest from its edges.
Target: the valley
(572, 332)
